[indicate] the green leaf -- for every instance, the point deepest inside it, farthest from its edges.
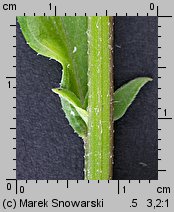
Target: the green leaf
(65, 40)
(74, 101)
(125, 95)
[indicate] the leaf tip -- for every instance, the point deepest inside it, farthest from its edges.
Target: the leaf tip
(149, 79)
(55, 90)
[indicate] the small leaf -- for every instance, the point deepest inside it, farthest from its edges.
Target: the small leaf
(74, 101)
(75, 120)
(125, 95)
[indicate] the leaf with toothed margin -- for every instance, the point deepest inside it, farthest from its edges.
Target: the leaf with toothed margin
(125, 95)
(65, 40)
(74, 101)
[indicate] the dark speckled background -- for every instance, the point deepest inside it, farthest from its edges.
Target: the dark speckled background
(47, 147)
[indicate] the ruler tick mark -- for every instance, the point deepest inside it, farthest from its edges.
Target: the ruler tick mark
(163, 118)
(16, 187)
(55, 8)
(165, 16)
(118, 187)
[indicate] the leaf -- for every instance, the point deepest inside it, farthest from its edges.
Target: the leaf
(65, 40)
(125, 95)
(74, 101)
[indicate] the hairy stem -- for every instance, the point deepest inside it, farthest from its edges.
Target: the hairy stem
(98, 148)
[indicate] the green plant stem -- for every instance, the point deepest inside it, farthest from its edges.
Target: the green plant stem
(98, 148)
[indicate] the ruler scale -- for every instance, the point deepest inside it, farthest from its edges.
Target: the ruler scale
(118, 194)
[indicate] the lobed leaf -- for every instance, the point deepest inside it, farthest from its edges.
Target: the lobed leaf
(125, 95)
